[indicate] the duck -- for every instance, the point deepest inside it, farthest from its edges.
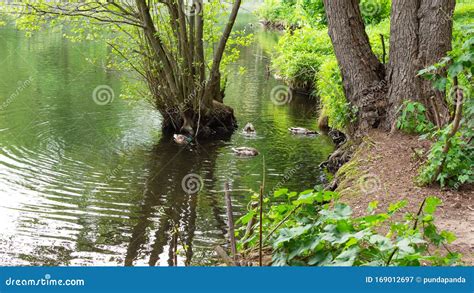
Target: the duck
(249, 129)
(302, 131)
(245, 151)
(182, 139)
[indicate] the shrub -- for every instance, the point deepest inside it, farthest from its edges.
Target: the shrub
(298, 13)
(413, 118)
(451, 157)
(457, 163)
(280, 12)
(331, 93)
(299, 54)
(306, 229)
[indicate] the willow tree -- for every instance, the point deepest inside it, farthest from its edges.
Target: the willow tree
(177, 49)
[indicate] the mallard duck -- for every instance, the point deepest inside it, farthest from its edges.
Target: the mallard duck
(245, 151)
(249, 129)
(182, 139)
(302, 131)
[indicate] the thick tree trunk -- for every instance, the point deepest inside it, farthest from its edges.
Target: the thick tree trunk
(436, 30)
(362, 73)
(217, 122)
(420, 35)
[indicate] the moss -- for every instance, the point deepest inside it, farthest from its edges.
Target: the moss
(350, 174)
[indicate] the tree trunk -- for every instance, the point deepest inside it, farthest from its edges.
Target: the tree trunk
(420, 35)
(421, 32)
(362, 73)
(216, 122)
(436, 19)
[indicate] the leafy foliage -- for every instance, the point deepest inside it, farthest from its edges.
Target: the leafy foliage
(456, 164)
(299, 13)
(105, 21)
(305, 58)
(413, 118)
(330, 90)
(293, 13)
(300, 54)
(310, 230)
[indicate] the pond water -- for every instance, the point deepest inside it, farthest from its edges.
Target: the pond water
(85, 184)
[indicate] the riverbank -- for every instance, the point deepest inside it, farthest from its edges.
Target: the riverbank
(384, 169)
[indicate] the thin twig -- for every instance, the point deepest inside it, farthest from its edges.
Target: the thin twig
(420, 210)
(382, 38)
(230, 222)
(434, 105)
(281, 222)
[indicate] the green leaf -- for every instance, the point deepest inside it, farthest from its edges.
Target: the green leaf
(382, 243)
(280, 192)
(246, 218)
(394, 207)
(320, 259)
(431, 204)
(410, 107)
(346, 258)
(455, 69)
(448, 236)
(292, 194)
(372, 206)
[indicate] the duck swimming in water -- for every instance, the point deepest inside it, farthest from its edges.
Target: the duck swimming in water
(182, 139)
(249, 129)
(245, 152)
(302, 131)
